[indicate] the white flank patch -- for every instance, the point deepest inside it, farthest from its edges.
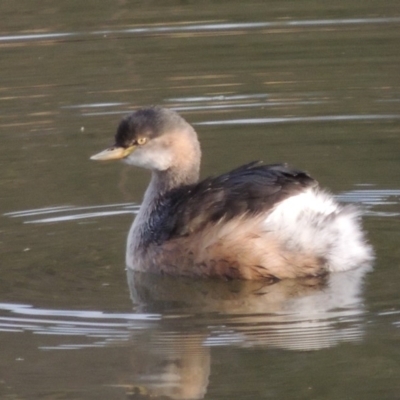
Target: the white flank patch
(315, 223)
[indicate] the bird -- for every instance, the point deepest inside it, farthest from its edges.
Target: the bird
(257, 221)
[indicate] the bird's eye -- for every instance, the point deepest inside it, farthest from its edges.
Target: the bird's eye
(141, 140)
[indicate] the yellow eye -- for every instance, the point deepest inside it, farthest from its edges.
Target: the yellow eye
(141, 140)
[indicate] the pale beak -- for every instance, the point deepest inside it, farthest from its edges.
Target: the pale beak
(113, 153)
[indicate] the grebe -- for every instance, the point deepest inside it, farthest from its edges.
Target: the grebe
(255, 222)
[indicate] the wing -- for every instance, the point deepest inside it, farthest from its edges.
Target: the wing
(250, 189)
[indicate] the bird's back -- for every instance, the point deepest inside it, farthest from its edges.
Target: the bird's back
(249, 190)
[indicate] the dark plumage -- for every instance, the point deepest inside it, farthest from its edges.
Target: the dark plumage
(147, 122)
(249, 189)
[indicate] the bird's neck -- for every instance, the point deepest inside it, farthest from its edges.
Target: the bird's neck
(160, 184)
(164, 181)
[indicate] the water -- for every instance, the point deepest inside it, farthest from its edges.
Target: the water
(316, 85)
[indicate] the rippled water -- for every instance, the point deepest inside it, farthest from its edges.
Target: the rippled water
(316, 85)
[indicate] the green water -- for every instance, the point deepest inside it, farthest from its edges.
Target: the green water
(309, 83)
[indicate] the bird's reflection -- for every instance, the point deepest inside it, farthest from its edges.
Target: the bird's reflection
(173, 361)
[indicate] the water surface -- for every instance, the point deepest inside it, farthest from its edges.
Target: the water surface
(316, 85)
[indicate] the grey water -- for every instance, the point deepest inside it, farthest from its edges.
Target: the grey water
(314, 84)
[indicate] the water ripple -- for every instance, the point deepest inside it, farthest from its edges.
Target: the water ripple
(72, 215)
(39, 36)
(222, 26)
(283, 120)
(90, 324)
(219, 98)
(373, 198)
(93, 105)
(217, 107)
(251, 25)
